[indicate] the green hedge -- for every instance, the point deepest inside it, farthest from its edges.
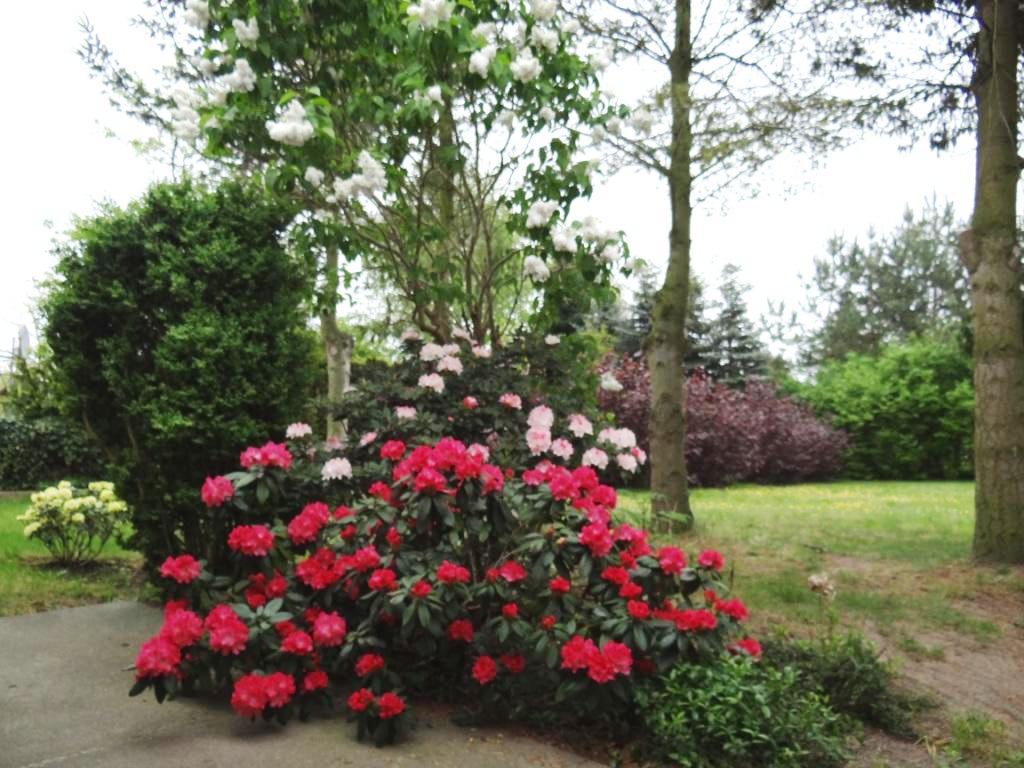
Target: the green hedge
(36, 452)
(908, 411)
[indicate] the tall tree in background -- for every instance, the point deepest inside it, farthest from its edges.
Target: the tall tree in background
(736, 354)
(890, 288)
(736, 95)
(953, 67)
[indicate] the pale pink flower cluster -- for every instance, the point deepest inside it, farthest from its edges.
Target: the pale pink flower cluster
(405, 412)
(622, 438)
(481, 352)
(580, 425)
(432, 381)
(512, 401)
(336, 469)
(449, 363)
(538, 439)
(541, 416)
(595, 457)
(297, 430)
(367, 438)
(562, 448)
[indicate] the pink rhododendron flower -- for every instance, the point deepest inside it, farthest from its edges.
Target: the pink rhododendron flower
(595, 457)
(157, 657)
(469, 402)
(392, 450)
(183, 628)
(431, 381)
(405, 412)
(672, 560)
(481, 352)
(216, 491)
(712, 559)
(538, 439)
(562, 448)
(450, 364)
(367, 438)
(430, 352)
(280, 688)
(298, 430)
(512, 401)
(639, 454)
(541, 416)
(580, 425)
(298, 643)
(627, 462)
(249, 696)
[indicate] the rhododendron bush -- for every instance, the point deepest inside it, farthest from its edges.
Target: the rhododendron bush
(517, 589)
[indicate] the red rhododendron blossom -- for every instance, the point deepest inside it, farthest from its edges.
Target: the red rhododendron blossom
(630, 589)
(469, 402)
(359, 700)
(563, 486)
(392, 450)
(615, 574)
(173, 606)
(365, 558)
(285, 628)
(672, 560)
(695, 620)
(712, 559)
(548, 622)
(228, 633)
(420, 589)
(600, 668)
(747, 645)
(620, 655)
(255, 593)
(597, 538)
(298, 643)
(576, 652)
(320, 570)
(183, 569)
(450, 573)
(380, 491)
(254, 540)
(329, 630)
(532, 477)
(182, 628)
(484, 670)
(280, 688)
(604, 495)
(492, 575)
(638, 609)
(510, 611)
(393, 538)
(341, 512)
(513, 662)
(249, 696)
(314, 681)
(430, 481)
(216, 491)
(493, 479)
(383, 580)
(390, 705)
(461, 630)
(511, 401)
(306, 525)
(369, 663)
(268, 455)
(157, 657)
(733, 608)
(559, 585)
(277, 586)
(512, 572)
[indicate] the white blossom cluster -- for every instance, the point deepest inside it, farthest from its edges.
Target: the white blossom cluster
(314, 176)
(525, 66)
(197, 13)
(184, 117)
(246, 32)
(428, 14)
(370, 179)
(293, 128)
(535, 268)
(540, 213)
(543, 10)
(480, 61)
(241, 78)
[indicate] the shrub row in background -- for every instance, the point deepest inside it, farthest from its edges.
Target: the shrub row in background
(754, 434)
(35, 452)
(908, 411)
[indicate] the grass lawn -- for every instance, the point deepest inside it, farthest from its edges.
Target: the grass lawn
(29, 583)
(899, 552)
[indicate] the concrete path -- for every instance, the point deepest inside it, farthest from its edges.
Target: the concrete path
(64, 703)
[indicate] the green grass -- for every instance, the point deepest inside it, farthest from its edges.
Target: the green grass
(28, 582)
(898, 552)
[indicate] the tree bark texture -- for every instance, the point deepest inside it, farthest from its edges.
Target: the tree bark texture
(670, 502)
(337, 346)
(989, 251)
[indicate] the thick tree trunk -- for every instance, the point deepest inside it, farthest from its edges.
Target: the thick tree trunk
(990, 253)
(670, 501)
(337, 346)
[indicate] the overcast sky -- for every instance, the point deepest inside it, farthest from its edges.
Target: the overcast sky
(65, 149)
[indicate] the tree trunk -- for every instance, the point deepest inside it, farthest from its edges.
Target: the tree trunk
(337, 346)
(670, 501)
(992, 259)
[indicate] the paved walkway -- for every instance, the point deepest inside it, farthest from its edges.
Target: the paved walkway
(64, 703)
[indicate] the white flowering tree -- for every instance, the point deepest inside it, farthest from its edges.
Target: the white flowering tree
(435, 144)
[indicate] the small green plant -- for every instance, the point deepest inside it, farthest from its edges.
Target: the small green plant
(75, 523)
(977, 736)
(741, 713)
(850, 672)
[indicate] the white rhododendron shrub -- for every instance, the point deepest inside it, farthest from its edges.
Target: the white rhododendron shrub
(75, 523)
(520, 592)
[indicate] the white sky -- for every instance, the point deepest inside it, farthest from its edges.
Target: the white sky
(60, 158)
